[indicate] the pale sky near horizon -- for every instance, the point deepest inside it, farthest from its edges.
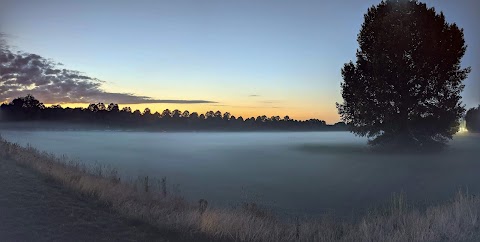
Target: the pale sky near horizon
(250, 57)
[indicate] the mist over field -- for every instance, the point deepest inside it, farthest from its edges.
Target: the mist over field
(240, 120)
(294, 173)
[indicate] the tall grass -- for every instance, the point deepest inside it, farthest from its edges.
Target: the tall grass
(145, 201)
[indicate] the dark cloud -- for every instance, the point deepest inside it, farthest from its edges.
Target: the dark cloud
(22, 73)
(254, 95)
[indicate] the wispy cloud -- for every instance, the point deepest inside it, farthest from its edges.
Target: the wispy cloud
(23, 73)
(240, 106)
(254, 95)
(269, 101)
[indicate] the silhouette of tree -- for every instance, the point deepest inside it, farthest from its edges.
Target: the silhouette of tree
(340, 126)
(404, 89)
(209, 115)
(147, 111)
(92, 107)
(101, 107)
(275, 118)
(226, 116)
(472, 120)
(176, 113)
(193, 115)
(249, 122)
(113, 107)
(28, 102)
(126, 110)
(96, 114)
(261, 119)
(24, 108)
(166, 113)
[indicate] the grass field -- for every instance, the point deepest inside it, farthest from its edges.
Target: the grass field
(148, 200)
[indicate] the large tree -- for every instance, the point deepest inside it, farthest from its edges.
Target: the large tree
(472, 120)
(404, 88)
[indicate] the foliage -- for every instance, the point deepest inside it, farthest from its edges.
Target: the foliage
(472, 120)
(404, 88)
(110, 116)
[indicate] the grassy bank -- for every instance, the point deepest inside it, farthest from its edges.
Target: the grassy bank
(148, 200)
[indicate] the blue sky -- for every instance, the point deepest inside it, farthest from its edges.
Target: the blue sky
(286, 53)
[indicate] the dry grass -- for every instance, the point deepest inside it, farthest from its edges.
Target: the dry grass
(148, 201)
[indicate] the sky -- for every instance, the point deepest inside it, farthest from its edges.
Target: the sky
(248, 57)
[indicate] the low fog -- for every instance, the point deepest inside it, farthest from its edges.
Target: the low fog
(291, 172)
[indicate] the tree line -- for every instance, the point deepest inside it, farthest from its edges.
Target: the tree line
(28, 108)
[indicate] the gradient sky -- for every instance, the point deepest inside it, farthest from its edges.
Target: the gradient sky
(273, 57)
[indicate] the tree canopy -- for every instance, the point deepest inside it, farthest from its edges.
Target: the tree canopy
(404, 88)
(100, 115)
(472, 120)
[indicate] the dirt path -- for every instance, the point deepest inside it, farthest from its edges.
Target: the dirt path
(35, 209)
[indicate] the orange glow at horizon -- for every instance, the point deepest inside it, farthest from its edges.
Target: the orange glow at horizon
(327, 113)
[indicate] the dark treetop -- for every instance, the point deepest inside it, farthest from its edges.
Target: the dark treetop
(100, 115)
(472, 120)
(404, 88)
